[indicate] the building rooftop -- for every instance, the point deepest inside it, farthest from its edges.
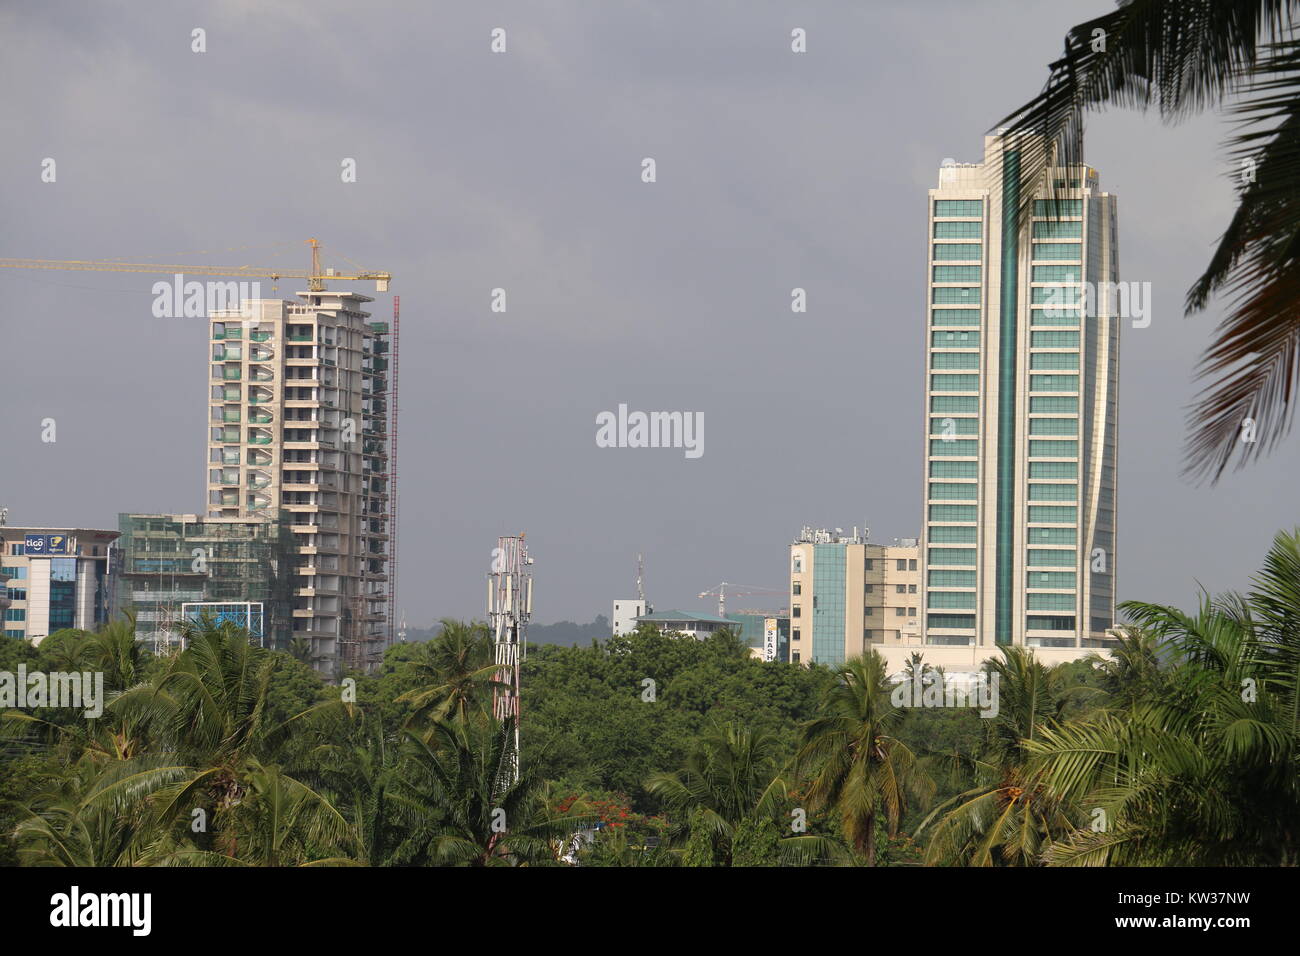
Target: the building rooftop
(670, 616)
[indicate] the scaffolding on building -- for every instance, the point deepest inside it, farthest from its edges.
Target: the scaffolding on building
(172, 560)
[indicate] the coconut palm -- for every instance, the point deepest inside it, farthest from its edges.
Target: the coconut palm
(1205, 772)
(732, 781)
(855, 764)
(1007, 817)
(456, 673)
(1182, 58)
(461, 808)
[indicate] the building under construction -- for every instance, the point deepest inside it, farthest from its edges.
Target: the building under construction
(170, 561)
(298, 431)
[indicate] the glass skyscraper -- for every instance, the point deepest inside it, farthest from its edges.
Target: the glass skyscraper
(1022, 363)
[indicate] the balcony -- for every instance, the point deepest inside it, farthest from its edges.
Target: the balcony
(230, 415)
(231, 374)
(260, 336)
(260, 373)
(259, 436)
(259, 417)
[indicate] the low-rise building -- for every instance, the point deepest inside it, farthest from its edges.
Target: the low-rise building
(689, 623)
(56, 578)
(848, 594)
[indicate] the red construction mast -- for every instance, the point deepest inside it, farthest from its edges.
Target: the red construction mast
(392, 470)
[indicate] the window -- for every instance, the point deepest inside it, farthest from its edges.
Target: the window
(1049, 602)
(869, 589)
(902, 564)
(796, 588)
(951, 491)
(958, 230)
(961, 600)
(1053, 449)
(16, 594)
(1054, 403)
(1049, 579)
(794, 611)
(956, 274)
(1057, 250)
(794, 657)
(958, 251)
(1058, 514)
(1054, 360)
(955, 317)
(911, 612)
(956, 360)
(955, 403)
(870, 564)
(1053, 426)
(950, 620)
(1050, 383)
(15, 614)
(954, 448)
(1056, 273)
(1056, 207)
(866, 635)
(911, 588)
(1051, 557)
(953, 469)
(947, 513)
(794, 634)
(952, 579)
(1046, 492)
(1053, 340)
(869, 611)
(1050, 623)
(958, 383)
(1055, 295)
(1055, 230)
(900, 611)
(900, 588)
(952, 557)
(958, 207)
(950, 295)
(955, 339)
(944, 535)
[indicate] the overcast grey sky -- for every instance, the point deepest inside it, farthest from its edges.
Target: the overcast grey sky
(522, 171)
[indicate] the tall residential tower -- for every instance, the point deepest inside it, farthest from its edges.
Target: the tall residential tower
(298, 432)
(1018, 541)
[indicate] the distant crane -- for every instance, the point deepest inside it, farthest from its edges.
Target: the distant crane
(720, 592)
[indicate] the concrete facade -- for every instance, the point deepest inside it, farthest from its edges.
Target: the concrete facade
(298, 413)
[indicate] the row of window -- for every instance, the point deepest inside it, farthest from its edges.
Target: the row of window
(963, 317)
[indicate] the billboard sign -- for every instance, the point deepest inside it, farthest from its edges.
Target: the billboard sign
(38, 544)
(769, 638)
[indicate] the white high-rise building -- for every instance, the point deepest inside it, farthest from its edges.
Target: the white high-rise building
(298, 431)
(1018, 540)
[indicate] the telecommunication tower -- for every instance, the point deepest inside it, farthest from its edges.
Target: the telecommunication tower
(510, 605)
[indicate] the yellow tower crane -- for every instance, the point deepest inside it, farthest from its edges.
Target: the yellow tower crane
(315, 276)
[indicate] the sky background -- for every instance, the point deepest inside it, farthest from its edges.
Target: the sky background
(522, 170)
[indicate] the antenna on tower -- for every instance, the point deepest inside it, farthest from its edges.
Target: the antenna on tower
(510, 605)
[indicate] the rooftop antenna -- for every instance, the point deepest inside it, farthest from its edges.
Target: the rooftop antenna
(4, 516)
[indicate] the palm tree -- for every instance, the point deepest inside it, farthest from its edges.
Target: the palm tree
(857, 766)
(461, 809)
(115, 651)
(1204, 772)
(731, 781)
(457, 673)
(1007, 817)
(1183, 58)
